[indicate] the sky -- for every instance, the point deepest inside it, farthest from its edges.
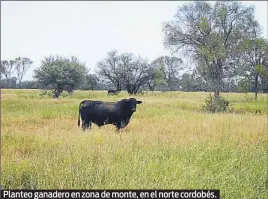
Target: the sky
(90, 29)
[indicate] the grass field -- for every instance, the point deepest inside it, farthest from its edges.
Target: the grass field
(169, 143)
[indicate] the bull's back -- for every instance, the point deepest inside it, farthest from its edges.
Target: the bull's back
(98, 110)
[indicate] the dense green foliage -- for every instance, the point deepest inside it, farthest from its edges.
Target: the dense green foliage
(214, 105)
(60, 74)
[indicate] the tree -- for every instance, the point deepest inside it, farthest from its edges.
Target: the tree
(29, 85)
(193, 82)
(211, 35)
(254, 54)
(60, 74)
(156, 77)
(124, 70)
(244, 85)
(8, 83)
(7, 69)
(230, 85)
(170, 67)
(109, 69)
(187, 82)
(134, 72)
(91, 82)
(2, 69)
(264, 77)
(21, 66)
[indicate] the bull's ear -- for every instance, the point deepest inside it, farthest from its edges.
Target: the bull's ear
(139, 102)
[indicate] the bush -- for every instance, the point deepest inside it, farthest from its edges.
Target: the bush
(51, 94)
(214, 105)
(45, 93)
(65, 94)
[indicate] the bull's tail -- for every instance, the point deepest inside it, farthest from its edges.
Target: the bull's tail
(78, 122)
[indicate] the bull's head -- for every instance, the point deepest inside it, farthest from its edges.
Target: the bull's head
(133, 103)
(130, 104)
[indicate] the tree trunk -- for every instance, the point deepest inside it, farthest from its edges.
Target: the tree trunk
(137, 87)
(256, 86)
(118, 85)
(217, 77)
(57, 92)
(129, 89)
(8, 83)
(217, 94)
(151, 86)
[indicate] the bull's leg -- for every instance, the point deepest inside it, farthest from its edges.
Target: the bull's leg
(118, 126)
(124, 123)
(86, 124)
(89, 125)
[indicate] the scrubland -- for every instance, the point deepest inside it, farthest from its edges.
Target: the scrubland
(170, 143)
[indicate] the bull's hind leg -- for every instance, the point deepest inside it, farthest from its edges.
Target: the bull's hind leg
(86, 124)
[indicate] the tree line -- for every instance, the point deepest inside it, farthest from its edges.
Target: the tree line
(13, 71)
(223, 42)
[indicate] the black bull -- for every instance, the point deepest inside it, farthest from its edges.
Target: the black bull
(102, 113)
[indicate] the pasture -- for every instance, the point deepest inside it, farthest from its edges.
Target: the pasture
(170, 143)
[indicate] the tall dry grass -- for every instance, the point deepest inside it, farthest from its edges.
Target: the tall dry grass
(169, 143)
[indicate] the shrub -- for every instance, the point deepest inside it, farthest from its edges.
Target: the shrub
(65, 94)
(45, 93)
(214, 105)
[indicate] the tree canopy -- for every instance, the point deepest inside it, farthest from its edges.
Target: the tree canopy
(211, 35)
(61, 73)
(170, 68)
(124, 71)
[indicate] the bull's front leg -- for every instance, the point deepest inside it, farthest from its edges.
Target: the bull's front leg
(124, 122)
(118, 126)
